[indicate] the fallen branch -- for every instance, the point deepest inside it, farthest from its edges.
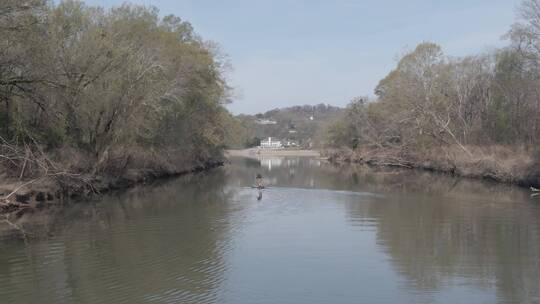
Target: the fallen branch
(394, 165)
(31, 162)
(6, 198)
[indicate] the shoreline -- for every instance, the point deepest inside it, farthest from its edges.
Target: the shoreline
(490, 167)
(24, 195)
(479, 169)
(256, 152)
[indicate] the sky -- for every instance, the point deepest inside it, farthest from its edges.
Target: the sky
(294, 52)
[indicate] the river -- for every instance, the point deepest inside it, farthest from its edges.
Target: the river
(319, 233)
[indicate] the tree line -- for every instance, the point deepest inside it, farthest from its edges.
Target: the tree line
(108, 85)
(431, 99)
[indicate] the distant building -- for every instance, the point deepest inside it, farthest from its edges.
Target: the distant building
(271, 144)
(266, 122)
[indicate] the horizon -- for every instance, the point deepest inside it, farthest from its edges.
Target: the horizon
(283, 55)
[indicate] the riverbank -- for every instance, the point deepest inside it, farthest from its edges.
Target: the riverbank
(496, 163)
(113, 111)
(255, 152)
(16, 196)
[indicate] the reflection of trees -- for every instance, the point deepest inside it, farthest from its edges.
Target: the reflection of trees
(457, 229)
(163, 243)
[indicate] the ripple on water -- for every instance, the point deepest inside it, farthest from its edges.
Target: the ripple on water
(211, 241)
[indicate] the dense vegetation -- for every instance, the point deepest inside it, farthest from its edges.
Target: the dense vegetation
(85, 89)
(453, 106)
(303, 125)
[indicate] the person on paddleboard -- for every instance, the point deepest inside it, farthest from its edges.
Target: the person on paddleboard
(259, 181)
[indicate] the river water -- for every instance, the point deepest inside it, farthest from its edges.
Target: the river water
(318, 234)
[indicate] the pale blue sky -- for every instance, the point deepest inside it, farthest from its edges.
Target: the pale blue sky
(291, 52)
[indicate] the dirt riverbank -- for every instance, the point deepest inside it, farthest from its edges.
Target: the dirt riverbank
(499, 164)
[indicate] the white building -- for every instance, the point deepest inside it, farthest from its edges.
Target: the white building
(271, 144)
(266, 122)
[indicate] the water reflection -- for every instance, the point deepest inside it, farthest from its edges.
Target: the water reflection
(269, 162)
(435, 229)
(318, 234)
(164, 243)
(441, 232)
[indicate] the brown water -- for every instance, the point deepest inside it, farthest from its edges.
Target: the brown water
(318, 234)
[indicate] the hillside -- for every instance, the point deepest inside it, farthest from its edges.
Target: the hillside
(299, 124)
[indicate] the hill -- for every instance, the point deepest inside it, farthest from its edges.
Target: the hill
(298, 125)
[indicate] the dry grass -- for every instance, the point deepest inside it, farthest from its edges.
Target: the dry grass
(502, 163)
